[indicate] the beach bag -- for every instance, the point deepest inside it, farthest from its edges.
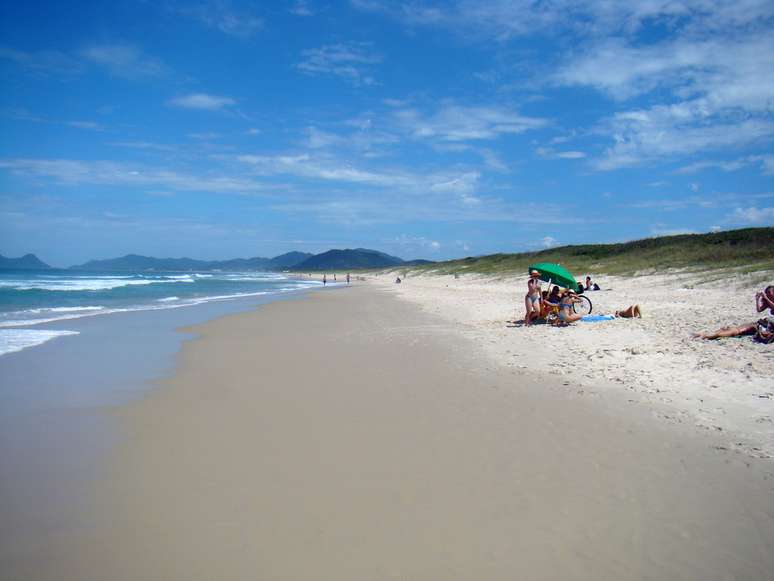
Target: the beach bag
(764, 331)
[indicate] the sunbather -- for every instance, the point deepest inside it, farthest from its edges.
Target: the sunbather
(763, 300)
(629, 312)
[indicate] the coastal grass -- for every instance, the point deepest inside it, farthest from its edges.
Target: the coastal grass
(745, 251)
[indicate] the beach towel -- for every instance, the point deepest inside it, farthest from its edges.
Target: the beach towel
(597, 318)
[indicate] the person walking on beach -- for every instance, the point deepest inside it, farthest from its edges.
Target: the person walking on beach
(533, 297)
(347, 278)
(325, 279)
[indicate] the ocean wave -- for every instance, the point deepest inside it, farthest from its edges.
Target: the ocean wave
(68, 313)
(63, 309)
(12, 340)
(93, 284)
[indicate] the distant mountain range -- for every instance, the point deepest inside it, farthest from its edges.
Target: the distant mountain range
(28, 261)
(136, 262)
(353, 259)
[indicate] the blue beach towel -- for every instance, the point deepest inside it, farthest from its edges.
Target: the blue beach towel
(597, 318)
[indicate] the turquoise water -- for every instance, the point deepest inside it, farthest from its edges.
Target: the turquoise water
(31, 300)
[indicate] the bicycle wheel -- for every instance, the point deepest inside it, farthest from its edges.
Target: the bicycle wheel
(583, 307)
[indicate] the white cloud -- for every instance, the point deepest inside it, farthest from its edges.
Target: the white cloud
(317, 139)
(548, 242)
(124, 60)
(675, 131)
(753, 215)
(85, 125)
(505, 19)
(457, 123)
(221, 15)
(74, 172)
(351, 61)
(301, 8)
(203, 101)
(550, 153)
(43, 62)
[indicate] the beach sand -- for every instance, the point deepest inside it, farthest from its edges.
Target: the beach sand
(723, 386)
(352, 435)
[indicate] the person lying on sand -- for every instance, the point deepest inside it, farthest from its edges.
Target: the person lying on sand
(763, 327)
(629, 312)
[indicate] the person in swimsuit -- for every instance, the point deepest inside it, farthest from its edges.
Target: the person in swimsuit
(566, 314)
(630, 312)
(763, 300)
(533, 297)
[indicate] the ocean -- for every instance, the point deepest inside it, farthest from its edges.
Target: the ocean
(31, 300)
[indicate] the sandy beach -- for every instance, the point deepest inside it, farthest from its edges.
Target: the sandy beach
(722, 386)
(353, 435)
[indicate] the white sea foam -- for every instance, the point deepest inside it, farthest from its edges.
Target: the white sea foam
(12, 340)
(55, 314)
(88, 284)
(64, 310)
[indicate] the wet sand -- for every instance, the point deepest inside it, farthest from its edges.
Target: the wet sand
(350, 435)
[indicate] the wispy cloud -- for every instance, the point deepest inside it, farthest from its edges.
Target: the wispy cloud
(302, 8)
(504, 19)
(120, 60)
(766, 163)
(203, 101)
(550, 153)
(223, 16)
(124, 60)
(351, 61)
(43, 62)
(753, 215)
(74, 172)
(92, 125)
(458, 123)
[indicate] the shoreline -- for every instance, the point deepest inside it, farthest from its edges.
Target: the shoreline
(350, 435)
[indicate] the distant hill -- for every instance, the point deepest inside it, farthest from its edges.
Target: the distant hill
(748, 248)
(289, 260)
(349, 259)
(28, 261)
(136, 262)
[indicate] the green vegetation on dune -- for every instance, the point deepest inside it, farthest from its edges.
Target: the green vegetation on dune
(749, 249)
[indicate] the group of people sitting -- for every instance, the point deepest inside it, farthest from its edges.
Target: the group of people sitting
(543, 305)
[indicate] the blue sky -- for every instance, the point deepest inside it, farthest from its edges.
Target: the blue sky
(219, 129)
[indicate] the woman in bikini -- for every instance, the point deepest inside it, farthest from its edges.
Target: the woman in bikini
(533, 297)
(566, 314)
(763, 300)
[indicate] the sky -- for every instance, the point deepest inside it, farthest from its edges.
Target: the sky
(425, 129)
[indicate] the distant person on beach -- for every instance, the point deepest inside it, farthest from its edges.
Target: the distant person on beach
(533, 297)
(325, 280)
(334, 277)
(397, 280)
(590, 285)
(347, 278)
(762, 329)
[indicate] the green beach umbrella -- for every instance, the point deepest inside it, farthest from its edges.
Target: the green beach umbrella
(556, 273)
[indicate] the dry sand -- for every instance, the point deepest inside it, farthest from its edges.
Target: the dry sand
(351, 436)
(726, 386)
